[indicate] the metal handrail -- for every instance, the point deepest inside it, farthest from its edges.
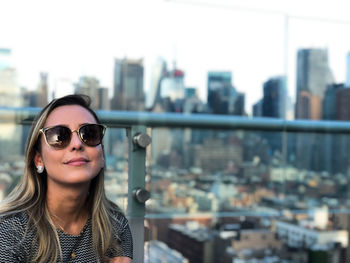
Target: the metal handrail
(197, 121)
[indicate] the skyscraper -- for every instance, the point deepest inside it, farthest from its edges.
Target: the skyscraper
(10, 91)
(43, 90)
(10, 96)
(103, 100)
(159, 71)
(339, 144)
(313, 76)
(333, 148)
(218, 82)
(347, 83)
(223, 98)
(273, 104)
(329, 104)
(274, 100)
(89, 86)
(172, 91)
(257, 108)
(128, 85)
(342, 104)
(190, 92)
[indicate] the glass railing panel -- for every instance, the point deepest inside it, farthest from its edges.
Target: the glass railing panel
(116, 173)
(227, 196)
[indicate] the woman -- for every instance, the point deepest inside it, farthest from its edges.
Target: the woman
(59, 211)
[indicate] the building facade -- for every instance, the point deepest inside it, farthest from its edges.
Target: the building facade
(128, 85)
(313, 77)
(274, 100)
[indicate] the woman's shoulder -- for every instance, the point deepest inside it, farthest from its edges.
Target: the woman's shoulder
(15, 220)
(14, 227)
(15, 239)
(120, 222)
(122, 235)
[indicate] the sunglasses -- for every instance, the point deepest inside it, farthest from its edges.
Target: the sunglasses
(59, 136)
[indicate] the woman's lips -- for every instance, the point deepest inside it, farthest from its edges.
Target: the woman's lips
(77, 161)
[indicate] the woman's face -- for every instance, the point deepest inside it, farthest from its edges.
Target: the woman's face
(77, 163)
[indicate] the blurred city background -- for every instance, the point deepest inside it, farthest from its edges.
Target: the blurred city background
(238, 196)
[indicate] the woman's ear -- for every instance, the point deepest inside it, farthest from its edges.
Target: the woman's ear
(38, 160)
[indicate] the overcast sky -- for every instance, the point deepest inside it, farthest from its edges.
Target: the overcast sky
(253, 39)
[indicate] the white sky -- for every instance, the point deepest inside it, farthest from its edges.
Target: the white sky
(71, 38)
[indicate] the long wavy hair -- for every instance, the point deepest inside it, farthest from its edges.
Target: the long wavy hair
(30, 195)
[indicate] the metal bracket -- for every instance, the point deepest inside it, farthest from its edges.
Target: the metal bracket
(141, 195)
(142, 140)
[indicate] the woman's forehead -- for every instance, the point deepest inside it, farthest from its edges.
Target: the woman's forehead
(69, 115)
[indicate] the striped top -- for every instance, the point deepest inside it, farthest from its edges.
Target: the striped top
(16, 243)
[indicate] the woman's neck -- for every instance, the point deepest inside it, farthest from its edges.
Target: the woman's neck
(68, 208)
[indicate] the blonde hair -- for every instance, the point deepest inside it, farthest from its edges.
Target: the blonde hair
(30, 195)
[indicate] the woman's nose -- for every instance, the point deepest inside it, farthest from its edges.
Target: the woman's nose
(75, 142)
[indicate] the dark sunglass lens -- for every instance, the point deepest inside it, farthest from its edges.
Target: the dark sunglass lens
(58, 137)
(91, 134)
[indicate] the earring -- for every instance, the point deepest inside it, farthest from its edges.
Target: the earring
(40, 169)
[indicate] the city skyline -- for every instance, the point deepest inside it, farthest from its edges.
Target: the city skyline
(160, 76)
(314, 75)
(69, 48)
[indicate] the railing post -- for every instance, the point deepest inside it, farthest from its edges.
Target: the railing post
(136, 182)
